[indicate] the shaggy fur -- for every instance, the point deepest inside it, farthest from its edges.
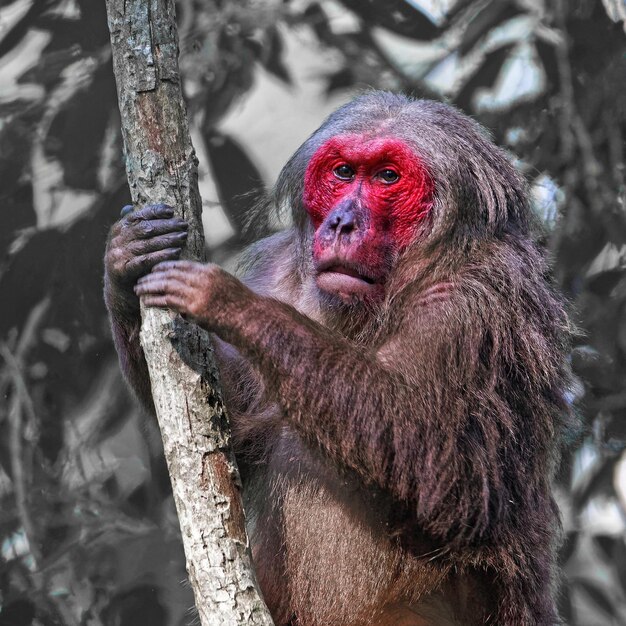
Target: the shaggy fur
(397, 456)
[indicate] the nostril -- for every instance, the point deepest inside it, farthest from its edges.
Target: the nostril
(347, 226)
(340, 222)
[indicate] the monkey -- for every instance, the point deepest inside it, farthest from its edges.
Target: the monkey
(394, 366)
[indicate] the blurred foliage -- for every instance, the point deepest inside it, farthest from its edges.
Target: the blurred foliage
(88, 534)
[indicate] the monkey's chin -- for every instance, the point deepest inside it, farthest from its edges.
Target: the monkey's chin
(350, 289)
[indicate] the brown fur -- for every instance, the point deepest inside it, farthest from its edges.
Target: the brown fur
(397, 456)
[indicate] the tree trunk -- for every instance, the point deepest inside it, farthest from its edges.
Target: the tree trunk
(162, 167)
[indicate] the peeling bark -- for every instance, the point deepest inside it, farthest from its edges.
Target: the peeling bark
(162, 167)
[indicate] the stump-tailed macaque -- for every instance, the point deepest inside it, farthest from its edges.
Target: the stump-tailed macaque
(394, 368)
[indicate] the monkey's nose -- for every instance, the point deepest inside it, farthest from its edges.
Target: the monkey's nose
(343, 224)
(340, 222)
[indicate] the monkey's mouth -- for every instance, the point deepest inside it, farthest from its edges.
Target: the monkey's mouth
(345, 280)
(348, 271)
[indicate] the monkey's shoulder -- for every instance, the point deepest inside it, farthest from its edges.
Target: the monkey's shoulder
(268, 267)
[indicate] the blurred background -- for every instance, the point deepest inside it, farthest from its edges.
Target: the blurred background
(88, 532)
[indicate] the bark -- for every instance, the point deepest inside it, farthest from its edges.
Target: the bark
(162, 167)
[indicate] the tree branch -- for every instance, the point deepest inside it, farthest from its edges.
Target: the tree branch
(162, 167)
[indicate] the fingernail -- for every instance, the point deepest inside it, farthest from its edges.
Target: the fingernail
(126, 210)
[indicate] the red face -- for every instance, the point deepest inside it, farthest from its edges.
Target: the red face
(366, 198)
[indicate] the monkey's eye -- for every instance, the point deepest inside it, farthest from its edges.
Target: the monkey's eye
(344, 172)
(388, 176)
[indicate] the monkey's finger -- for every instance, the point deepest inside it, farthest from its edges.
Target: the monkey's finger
(131, 235)
(151, 284)
(171, 240)
(143, 263)
(188, 267)
(126, 210)
(165, 301)
(151, 228)
(151, 212)
(162, 284)
(178, 281)
(192, 275)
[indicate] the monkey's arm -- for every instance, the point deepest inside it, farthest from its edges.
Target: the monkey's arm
(422, 417)
(125, 326)
(140, 239)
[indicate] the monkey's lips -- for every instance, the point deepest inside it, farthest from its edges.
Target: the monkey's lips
(346, 281)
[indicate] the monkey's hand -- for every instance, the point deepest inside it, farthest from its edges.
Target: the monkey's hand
(203, 292)
(138, 241)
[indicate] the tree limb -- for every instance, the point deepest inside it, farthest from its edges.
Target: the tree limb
(162, 167)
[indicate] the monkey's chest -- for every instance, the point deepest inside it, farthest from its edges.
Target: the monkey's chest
(323, 550)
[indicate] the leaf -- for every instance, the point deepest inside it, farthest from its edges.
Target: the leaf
(620, 562)
(484, 77)
(598, 596)
(90, 32)
(237, 178)
(397, 16)
(48, 70)
(19, 30)
(16, 194)
(18, 613)
(12, 107)
(140, 605)
(611, 257)
(596, 368)
(484, 20)
(616, 10)
(67, 263)
(568, 548)
(606, 545)
(603, 283)
(316, 18)
(273, 60)
(58, 535)
(547, 54)
(599, 482)
(77, 131)
(343, 79)
(28, 276)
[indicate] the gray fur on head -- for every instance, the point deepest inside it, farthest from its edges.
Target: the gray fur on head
(478, 191)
